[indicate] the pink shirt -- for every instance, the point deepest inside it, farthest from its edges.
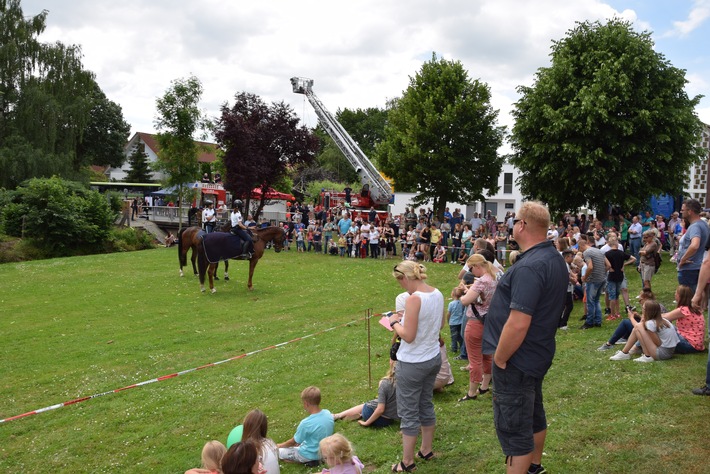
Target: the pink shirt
(485, 286)
(692, 327)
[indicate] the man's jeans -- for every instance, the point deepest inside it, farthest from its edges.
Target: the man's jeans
(594, 307)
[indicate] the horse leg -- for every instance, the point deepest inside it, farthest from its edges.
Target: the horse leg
(226, 270)
(216, 267)
(210, 272)
(252, 265)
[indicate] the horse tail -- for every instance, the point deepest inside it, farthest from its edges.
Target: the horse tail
(182, 256)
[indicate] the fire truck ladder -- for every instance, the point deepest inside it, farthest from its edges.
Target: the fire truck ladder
(380, 190)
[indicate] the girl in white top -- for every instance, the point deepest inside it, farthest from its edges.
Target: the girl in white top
(255, 427)
(656, 335)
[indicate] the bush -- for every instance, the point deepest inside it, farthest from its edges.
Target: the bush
(61, 217)
(129, 239)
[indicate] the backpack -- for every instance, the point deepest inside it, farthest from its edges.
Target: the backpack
(657, 260)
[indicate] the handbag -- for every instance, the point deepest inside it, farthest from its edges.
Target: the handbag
(395, 348)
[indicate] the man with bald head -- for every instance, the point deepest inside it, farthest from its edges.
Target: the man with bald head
(520, 333)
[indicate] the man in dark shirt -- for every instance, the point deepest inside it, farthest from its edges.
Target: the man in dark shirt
(520, 333)
(617, 260)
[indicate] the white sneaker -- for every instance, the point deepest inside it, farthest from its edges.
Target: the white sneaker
(644, 358)
(564, 328)
(620, 356)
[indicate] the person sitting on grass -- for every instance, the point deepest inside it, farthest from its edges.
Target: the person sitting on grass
(623, 330)
(255, 428)
(690, 322)
(242, 458)
(379, 412)
(656, 335)
(212, 454)
(337, 452)
(303, 447)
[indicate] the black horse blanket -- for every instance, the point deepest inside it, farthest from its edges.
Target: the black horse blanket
(221, 246)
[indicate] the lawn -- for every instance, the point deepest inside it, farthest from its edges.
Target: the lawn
(81, 326)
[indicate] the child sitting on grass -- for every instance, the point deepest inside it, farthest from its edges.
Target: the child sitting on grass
(212, 454)
(657, 335)
(337, 452)
(303, 447)
(379, 412)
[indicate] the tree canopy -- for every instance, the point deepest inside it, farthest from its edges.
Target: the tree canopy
(179, 119)
(54, 118)
(609, 122)
(442, 137)
(261, 144)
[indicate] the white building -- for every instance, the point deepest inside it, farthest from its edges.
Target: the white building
(147, 143)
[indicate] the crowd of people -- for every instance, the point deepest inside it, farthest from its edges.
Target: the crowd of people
(509, 304)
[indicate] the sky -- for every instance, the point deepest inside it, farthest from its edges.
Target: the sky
(359, 53)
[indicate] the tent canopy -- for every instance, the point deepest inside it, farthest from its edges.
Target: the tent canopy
(271, 194)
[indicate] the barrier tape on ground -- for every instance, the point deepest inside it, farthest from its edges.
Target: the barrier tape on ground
(177, 374)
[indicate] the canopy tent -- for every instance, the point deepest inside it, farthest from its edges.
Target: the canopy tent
(271, 194)
(172, 190)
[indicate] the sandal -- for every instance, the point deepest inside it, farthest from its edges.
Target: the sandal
(467, 397)
(481, 391)
(427, 457)
(401, 467)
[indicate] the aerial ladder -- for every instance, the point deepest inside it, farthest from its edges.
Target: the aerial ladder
(375, 190)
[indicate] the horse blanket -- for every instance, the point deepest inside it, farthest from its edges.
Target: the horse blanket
(221, 246)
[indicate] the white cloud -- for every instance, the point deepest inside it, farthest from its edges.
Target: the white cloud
(360, 54)
(697, 16)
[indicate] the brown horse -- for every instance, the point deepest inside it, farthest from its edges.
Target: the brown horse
(188, 239)
(262, 237)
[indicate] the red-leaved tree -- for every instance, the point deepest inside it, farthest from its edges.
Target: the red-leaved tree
(261, 144)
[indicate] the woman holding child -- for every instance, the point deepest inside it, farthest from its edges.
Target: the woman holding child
(418, 360)
(478, 298)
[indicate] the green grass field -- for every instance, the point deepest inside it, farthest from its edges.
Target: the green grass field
(80, 326)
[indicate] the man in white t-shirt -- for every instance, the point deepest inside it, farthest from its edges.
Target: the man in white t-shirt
(208, 217)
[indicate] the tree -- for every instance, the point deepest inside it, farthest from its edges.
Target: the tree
(140, 169)
(105, 134)
(261, 144)
(607, 123)
(441, 139)
(179, 118)
(54, 118)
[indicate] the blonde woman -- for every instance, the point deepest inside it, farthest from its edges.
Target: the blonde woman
(478, 299)
(418, 360)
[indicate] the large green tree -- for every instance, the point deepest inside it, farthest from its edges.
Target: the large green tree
(442, 137)
(179, 119)
(609, 122)
(54, 118)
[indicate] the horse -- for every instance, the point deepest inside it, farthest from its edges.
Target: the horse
(263, 237)
(188, 239)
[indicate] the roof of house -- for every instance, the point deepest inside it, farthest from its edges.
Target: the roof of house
(208, 151)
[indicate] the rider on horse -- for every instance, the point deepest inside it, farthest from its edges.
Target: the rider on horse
(239, 229)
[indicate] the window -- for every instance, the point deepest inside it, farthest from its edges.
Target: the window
(507, 183)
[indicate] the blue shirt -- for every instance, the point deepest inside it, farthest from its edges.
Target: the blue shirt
(311, 431)
(536, 286)
(700, 230)
(456, 313)
(344, 225)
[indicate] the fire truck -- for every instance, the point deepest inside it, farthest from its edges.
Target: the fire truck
(376, 191)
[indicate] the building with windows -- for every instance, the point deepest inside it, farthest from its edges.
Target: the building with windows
(147, 143)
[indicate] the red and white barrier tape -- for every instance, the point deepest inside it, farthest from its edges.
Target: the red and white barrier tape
(176, 374)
